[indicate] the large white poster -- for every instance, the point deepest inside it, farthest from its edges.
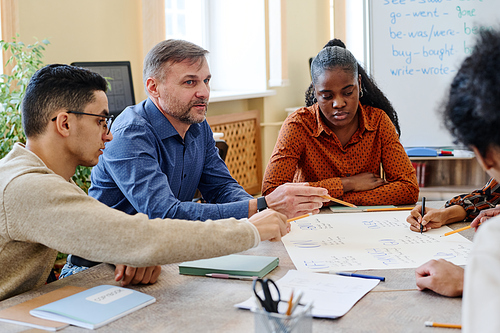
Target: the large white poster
(357, 241)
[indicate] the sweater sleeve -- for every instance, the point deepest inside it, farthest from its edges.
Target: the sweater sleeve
(46, 209)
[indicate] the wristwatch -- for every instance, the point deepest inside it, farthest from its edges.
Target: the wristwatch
(261, 204)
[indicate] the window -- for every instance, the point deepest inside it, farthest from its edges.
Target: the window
(233, 32)
(357, 30)
(185, 19)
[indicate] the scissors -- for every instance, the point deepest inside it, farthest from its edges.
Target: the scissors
(268, 302)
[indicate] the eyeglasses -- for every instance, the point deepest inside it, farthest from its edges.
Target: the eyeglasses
(107, 123)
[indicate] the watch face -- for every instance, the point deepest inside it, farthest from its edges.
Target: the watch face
(261, 203)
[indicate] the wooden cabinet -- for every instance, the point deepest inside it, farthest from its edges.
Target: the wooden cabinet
(447, 176)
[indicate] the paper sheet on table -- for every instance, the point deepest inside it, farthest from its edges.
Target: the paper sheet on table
(357, 241)
(332, 295)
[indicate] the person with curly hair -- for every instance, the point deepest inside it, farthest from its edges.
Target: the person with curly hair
(471, 114)
(343, 138)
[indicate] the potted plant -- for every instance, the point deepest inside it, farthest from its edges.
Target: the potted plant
(24, 61)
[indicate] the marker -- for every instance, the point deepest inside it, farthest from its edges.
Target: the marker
(445, 153)
(381, 278)
(299, 217)
(432, 324)
(423, 213)
(227, 276)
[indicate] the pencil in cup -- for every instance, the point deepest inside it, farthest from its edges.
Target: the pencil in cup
(299, 321)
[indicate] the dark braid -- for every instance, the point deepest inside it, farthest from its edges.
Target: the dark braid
(372, 95)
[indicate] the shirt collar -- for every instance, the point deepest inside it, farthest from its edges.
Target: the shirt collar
(163, 126)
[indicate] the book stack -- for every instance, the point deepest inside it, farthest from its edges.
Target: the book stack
(421, 170)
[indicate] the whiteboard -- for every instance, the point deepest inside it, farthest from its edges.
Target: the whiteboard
(416, 48)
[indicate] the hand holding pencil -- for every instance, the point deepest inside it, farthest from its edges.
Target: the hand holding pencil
(294, 199)
(484, 215)
(434, 218)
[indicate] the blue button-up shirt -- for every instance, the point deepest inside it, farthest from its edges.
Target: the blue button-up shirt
(149, 168)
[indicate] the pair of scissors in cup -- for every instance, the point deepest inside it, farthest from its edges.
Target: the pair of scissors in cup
(268, 302)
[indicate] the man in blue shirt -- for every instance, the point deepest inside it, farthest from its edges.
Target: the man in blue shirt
(163, 150)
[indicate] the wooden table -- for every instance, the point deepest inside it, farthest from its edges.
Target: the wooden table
(200, 304)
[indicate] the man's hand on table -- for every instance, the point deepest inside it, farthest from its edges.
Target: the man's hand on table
(442, 277)
(136, 275)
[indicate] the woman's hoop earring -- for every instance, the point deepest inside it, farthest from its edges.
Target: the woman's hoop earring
(360, 92)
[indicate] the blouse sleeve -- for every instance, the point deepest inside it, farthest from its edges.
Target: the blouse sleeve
(478, 200)
(402, 187)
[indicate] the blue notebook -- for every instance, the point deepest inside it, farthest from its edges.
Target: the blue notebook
(94, 307)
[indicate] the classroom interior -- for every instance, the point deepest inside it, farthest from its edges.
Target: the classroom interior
(124, 30)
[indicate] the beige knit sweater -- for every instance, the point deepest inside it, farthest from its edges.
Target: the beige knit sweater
(41, 213)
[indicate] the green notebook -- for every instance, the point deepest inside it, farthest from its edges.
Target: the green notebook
(233, 264)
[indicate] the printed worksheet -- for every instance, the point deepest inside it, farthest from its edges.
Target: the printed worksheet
(331, 295)
(357, 241)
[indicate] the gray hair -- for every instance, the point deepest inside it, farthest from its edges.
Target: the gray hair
(173, 51)
(332, 57)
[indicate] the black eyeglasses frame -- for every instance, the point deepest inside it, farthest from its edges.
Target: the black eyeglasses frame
(109, 119)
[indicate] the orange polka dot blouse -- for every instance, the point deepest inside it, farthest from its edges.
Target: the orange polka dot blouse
(307, 150)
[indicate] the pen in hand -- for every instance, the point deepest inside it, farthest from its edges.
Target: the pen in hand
(423, 213)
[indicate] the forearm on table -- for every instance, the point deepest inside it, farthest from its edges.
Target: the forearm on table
(393, 193)
(454, 213)
(334, 186)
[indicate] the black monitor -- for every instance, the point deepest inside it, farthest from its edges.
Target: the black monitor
(119, 75)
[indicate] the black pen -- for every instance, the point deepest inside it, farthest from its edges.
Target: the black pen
(423, 213)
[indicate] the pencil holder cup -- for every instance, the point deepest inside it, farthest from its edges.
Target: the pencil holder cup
(300, 321)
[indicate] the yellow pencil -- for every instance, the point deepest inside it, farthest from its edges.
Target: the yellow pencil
(338, 201)
(386, 209)
(299, 217)
(290, 304)
(458, 230)
(432, 324)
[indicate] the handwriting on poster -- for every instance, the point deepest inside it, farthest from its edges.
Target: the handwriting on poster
(353, 241)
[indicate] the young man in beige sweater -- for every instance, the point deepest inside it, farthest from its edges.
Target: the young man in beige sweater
(66, 122)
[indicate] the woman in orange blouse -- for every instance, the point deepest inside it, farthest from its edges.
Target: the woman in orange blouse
(341, 141)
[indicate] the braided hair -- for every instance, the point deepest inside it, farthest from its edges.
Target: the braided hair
(338, 56)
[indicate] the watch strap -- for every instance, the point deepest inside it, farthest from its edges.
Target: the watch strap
(261, 204)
